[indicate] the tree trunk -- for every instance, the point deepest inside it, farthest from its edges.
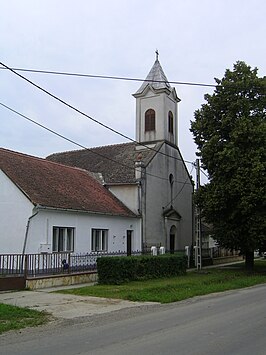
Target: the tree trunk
(249, 260)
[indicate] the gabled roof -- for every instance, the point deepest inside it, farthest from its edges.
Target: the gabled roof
(171, 213)
(55, 185)
(156, 79)
(115, 162)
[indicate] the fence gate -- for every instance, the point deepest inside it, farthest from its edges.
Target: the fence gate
(12, 275)
(9, 283)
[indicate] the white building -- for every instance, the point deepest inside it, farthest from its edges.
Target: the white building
(49, 207)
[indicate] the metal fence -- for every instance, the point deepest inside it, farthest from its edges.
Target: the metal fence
(218, 252)
(32, 265)
(12, 264)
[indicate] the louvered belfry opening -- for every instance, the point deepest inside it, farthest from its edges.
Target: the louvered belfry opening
(150, 120)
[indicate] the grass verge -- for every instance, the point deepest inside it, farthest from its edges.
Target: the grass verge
(14, 318)
(181, 287)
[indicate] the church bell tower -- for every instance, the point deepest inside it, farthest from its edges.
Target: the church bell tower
(156, 108)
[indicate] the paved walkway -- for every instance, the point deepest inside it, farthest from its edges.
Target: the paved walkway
(66, 306)
(63, 305)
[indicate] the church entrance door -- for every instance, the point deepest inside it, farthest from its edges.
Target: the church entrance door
(172, 239)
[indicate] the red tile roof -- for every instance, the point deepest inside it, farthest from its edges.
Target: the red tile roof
(55, 185)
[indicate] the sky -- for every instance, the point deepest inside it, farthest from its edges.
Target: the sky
(197, 41)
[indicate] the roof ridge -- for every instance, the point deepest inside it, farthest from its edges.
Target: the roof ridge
(56, 185)
(92, 148)
(43, 160)
(20, 153)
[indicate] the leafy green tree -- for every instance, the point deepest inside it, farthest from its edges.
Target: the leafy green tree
(230, 133)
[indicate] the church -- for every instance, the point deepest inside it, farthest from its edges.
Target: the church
(148, 176)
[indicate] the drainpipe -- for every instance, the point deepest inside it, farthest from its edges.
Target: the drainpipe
(27, 232)
(165, 232)
(139, 198)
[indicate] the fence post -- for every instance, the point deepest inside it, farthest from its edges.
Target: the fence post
(187, 250)
(26, 266)
(69, 263)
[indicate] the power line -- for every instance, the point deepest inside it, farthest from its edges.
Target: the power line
(201, 170)
(112, 77)
(108, 77)
(89, 117)
(68, 139)
(78, 144)
(204, 173)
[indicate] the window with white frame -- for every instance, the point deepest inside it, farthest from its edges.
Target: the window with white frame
(63, 239)
(99, 239)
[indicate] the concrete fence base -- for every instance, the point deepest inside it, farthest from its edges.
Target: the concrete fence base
(60, 280)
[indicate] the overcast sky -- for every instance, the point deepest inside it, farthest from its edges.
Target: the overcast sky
(197, 41)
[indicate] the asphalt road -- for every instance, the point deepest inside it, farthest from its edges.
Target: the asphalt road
(230, 323)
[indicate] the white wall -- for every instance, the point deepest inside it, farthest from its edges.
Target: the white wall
(15, 209)
(128, 194)
(41, 229)
(161, 104)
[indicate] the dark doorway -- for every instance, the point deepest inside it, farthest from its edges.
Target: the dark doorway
(129, 242)
(172, 243)
(172, 239)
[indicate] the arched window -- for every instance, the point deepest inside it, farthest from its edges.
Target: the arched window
(171, 180)
(170, 122)
(150, 120)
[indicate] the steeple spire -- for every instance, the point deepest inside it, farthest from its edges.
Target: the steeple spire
(156, 78)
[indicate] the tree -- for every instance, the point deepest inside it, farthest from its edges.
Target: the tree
(230, 133)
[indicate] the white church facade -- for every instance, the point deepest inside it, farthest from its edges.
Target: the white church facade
(149, 176)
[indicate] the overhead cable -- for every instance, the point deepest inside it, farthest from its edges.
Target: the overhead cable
(113, 77)
(107, 77)
(181, 189)
(80, 145)
(89, 117)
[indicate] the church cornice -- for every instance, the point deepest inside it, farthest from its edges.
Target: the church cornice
(154, 90)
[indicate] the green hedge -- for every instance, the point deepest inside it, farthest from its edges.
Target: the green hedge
(116, 270)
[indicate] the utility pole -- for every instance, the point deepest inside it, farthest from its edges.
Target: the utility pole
(198, 222)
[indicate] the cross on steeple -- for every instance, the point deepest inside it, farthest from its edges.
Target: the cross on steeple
(157, 54)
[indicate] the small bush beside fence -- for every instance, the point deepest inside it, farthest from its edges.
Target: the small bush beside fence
(117, 270)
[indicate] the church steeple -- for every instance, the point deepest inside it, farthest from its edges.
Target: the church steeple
(155, 79)
(156, 108)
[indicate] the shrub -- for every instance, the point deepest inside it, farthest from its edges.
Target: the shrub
(116, 270)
